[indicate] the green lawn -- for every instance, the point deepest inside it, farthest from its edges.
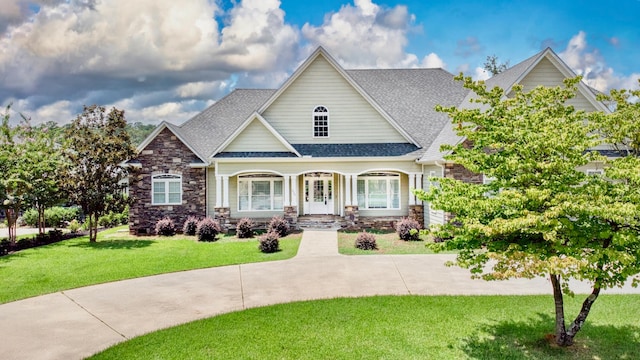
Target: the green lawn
(407, 327)
(118, 255)
(388, 243)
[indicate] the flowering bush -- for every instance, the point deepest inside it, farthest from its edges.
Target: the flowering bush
(244, 228)
(165, 227)
(279, 225)
(408, 229)
(190, 226)
(269, 242)
(366, 241)
(208, 229)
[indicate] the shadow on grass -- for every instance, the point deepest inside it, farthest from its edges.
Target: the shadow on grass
(534, 340)
(115, 244)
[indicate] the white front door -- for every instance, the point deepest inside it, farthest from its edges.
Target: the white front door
(318, 192)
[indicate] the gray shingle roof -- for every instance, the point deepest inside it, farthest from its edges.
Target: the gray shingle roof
(206, 131)
(255, 154)
(355, 150)
(410, 95)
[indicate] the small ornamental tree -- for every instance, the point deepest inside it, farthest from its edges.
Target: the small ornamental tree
(540, 215)
(96, 146)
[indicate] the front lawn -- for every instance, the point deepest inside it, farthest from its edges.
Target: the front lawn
(406, 327)
(117, 255)
(388, 243)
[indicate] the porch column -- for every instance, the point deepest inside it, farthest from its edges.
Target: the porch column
(287, 187)
(354, 190)
(347, 190)
(412, 185)
(294, 192)
(418, 186)
(225, 190)
(218, 191)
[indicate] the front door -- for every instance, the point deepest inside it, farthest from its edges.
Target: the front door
(318, 194)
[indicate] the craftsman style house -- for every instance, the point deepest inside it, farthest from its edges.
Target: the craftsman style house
(350, 144)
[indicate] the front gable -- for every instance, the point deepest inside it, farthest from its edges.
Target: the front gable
(545, 73)
(255, 138)
(353, 117)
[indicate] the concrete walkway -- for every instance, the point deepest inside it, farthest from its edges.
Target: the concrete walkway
(76, 323)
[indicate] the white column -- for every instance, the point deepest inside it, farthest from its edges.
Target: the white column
(354, 190)
(225, 190)
(412, 185)
(218, 191)
(294, 192)
(419, 186)
(347, 190)
(287, 196)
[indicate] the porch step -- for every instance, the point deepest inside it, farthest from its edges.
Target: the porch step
(320, 222)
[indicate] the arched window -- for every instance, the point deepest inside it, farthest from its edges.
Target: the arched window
(167, 189)
(320, 122)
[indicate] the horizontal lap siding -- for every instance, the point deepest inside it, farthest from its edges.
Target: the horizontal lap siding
(300, 166)
(546, 74)
(351, 118)
(432, 217)
(255, 137)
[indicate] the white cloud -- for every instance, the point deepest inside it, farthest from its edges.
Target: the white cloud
(433, 61)
(589, 63)
(366, 35)
(480, 74)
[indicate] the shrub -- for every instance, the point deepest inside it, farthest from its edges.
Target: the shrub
(408, 229)
(244, 228)
(208, 229)
(53, 217)
(279, 225)
(269, 242)
(74, 226)
(190, 226)
(165, 227)
(105, 221)
(366, 241)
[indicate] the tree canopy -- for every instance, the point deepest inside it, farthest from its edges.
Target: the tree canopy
(538, 213)
(97, 145)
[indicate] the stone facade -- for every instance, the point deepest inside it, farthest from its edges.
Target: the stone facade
(166, 154)
(416, 212)
(351, 214)
(223, 216)
(291, 215)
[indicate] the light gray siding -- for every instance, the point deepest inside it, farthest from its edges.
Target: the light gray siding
(546, 74)
(431, 216)
(351, 118)
(300, 166)
(255, 137)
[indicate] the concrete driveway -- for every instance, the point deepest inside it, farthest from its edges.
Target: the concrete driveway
(76, 323)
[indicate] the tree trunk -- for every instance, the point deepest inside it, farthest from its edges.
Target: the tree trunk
(93, 228)
(561, 330)
(576, 325)
(565, 337)
(41, 220)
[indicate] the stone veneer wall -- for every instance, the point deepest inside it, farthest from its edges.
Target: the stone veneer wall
(166, 154)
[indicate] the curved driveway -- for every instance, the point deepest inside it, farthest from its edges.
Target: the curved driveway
(76, 323)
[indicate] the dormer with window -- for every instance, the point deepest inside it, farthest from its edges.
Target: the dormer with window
(320, 122)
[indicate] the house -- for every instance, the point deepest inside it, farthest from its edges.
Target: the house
(350, 144)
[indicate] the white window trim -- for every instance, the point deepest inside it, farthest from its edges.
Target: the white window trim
(388, 177)
(166, 179)
(313, 122)
(594, 172)
(271, 180)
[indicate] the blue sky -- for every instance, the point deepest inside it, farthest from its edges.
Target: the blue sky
(168, 60)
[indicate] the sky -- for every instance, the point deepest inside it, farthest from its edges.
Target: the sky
(167, 60)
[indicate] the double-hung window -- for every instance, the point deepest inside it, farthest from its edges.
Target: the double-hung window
(167, 189)
(379, 191)
(260, 193)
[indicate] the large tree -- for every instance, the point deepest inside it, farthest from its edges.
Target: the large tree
(539, 214)
(97, 144)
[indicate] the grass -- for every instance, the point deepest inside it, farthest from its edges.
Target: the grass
(117, 255)
(407, 327)
(388, 243)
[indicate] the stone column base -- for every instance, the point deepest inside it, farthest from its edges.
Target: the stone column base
(416, 212)
(223, 216)
(291, 214)
(351, 214)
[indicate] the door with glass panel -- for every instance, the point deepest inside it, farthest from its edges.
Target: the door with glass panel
(318, 194)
